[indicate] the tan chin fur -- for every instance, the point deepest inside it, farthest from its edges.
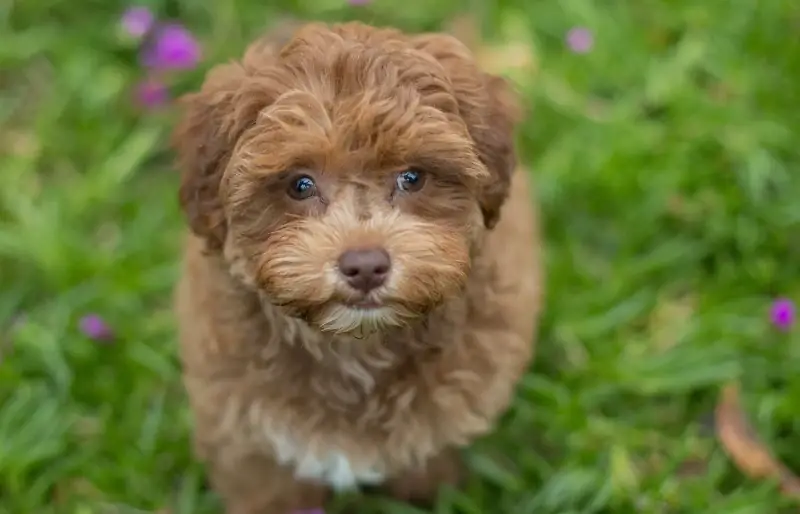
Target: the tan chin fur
(341, 319)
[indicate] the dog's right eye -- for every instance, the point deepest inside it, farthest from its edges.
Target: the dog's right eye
(410, 180)
(302, 188)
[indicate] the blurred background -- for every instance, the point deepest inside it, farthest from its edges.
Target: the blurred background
(663, 136)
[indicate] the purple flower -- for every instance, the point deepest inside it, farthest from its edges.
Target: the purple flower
(782, 313)
(357, 2)
(151, 93)
(173, 47)
(580, 40)
(137, 21)
(95, 328)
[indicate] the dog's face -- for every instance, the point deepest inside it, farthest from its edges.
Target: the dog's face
(349, 176)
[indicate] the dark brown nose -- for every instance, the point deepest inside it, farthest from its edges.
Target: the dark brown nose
(365, 269)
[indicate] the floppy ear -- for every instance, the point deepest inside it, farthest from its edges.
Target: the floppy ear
(489, 107)
(212, 122)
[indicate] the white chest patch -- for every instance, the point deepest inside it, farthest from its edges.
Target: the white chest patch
(332, 468)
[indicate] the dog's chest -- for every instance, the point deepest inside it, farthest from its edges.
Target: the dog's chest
(331, 467)
(374, 432)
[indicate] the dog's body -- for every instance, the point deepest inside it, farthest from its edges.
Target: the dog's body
(301, 377)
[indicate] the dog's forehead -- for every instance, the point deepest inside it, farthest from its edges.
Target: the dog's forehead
(348, 108)
(365, 130)
(363, 138)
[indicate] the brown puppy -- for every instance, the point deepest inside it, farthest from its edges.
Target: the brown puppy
(361, 288)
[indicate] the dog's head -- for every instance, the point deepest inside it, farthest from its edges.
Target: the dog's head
(349, 174)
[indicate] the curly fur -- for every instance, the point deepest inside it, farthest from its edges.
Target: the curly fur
(293, 389)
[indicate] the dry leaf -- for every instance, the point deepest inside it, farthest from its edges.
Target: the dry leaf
(745, 448)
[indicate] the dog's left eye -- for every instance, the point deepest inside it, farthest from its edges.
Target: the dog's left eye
(410, 180)
(302, 188)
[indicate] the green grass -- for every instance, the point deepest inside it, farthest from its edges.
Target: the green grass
(667, 164)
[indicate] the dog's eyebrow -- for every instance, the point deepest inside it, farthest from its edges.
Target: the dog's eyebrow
(290, 172)
(460, 167)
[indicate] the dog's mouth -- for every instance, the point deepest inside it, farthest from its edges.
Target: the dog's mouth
(365, 304)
